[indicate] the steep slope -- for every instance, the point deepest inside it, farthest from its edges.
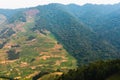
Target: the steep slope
(78, 39)
(104, 20)
(111, 27)
(56, 37)
(26, 52)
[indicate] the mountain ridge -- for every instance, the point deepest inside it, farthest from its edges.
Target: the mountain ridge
(57, 37)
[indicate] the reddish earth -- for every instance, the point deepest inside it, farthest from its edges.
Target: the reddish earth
(32, 12)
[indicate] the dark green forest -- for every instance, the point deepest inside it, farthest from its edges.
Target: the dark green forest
(85, 41)
(99, 70)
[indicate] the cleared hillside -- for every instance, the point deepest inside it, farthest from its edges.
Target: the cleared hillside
(28, 52)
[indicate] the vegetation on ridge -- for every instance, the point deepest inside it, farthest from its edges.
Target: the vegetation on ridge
(44, 42)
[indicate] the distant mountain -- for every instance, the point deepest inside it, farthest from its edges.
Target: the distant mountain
(103, 19)
(57, 37)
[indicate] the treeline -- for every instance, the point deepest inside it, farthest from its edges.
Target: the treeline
(95, 71)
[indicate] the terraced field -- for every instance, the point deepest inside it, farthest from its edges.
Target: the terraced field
(27, 53)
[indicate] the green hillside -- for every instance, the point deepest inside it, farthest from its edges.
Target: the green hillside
(28, 52)
(54, 41)
(78, 39)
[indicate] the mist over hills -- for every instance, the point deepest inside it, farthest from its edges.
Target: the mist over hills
(75, 34)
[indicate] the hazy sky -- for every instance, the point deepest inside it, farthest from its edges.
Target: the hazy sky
(29, 3)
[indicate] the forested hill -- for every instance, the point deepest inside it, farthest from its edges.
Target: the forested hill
(57, 37)
(85, 31)
(74, 27)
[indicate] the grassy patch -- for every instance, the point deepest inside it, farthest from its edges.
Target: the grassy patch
(36, 53)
